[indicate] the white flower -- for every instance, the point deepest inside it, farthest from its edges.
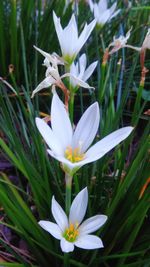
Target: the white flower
(79, 70)
(145, 45)
(103, 14)
(69, 40)
(53, 58)
(71, 147)
(52, 75)
(119, 42)
(52, 78)
(72, 231)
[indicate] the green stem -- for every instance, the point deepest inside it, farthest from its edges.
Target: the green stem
(66, 260)
(68, 192)
(71, 106)
(72, 94)
(137, 104)
(101, 89)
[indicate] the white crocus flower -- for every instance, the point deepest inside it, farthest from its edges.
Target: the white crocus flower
(79, 70)
(102, 13)
(119, 42)
(70, 147)
(72, 231)
(69, 40)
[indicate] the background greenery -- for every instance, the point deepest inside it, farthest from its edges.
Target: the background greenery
(115, 181)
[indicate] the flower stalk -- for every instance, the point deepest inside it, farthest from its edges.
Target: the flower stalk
(68, 180)
(71, 106)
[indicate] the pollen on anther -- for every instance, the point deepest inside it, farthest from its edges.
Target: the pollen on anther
(74, 155)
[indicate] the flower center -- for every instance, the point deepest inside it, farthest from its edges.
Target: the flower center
(71, 233)
(74, 155)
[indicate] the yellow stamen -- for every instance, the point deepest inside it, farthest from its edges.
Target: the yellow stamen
(71, 233)
(74, 155)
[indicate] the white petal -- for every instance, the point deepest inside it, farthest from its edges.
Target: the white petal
(74, 69)
(107, 143)
(115, 14)
(96, 12)
(49, 136)
(60, 121)
(102, 5)
(51, 58)
(68, 163)
(92, 224)
(53, 72)
(91, 5)
(73, 72)
(70, 35)
(77, 81)
(58, 29)
(85, 35)
(112, 8)
(66, 246)
(47, 82)
(86, 128)
(78, 207)
(103, 18)
(59, 215)
(82, 65)
(52, 228)
(89, 71)
(89, 242)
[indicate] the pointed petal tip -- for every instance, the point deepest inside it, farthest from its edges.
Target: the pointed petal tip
(95, 107)
(54, 14)
(42, 224)
(106, 217)
(84, 191)
(129, 129)
(53, 198)
(32, 95)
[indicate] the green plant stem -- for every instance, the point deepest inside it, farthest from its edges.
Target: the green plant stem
(71, 106)
(68, 180)
(137, 104)
(101, 86)
(66, 260)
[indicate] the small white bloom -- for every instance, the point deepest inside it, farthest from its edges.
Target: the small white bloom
(119, 42)
(53, 77)
(72, 231)
(102, 13)
(69, 40)
(71, 147)
(79, 70)
(145, 45)
(53, 58)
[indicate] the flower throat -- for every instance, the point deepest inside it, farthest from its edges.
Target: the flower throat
(74, 155)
